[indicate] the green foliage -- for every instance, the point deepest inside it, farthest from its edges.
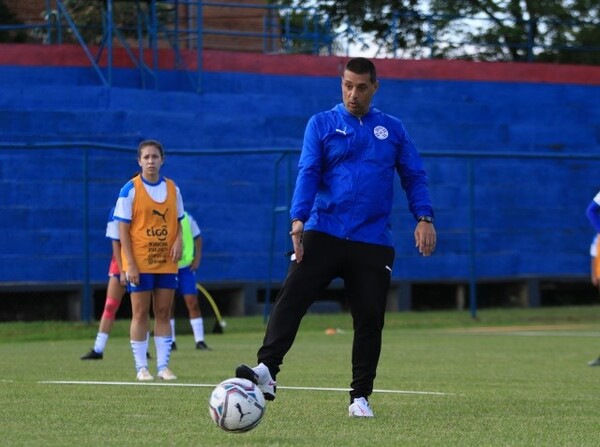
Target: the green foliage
(130, 18)
(500, 386)
(512, 30)
(8, 18)
(376, 17)
(304, 33)
(507, 30)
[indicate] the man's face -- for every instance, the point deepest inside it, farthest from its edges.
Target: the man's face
(357, 92)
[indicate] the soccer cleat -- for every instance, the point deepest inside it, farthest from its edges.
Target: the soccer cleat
(173, 346)
(595, 362)
(360, 408)
(260, 376)
(143, 375)
(92, 355)
(166, 374)
(202, 346)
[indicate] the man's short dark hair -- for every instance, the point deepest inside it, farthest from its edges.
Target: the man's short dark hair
(362, 65)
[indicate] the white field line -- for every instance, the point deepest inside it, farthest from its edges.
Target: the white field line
(552, 334)
(211, 385)
(546, 330)
(531, 333)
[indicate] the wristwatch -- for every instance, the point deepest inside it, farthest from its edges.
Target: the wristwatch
(427, 219)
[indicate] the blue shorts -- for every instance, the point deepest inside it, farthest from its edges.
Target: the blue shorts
(151, 281)
(187, 281)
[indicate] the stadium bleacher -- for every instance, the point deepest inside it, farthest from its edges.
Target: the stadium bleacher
(511, 151)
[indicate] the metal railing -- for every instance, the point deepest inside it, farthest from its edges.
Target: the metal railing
(184, 26)
(283, 180)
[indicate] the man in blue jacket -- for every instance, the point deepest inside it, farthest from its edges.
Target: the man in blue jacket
(340, 219)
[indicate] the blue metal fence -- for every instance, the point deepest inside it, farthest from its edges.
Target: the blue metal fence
(282, 185)
(182, 25)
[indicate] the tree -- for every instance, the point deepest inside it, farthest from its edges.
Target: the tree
(377, 18)
(128, 17)
(521, 30)
(304, 32)
(8, 18)
(491, 30)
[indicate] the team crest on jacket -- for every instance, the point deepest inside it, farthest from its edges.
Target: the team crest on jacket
(380, 132)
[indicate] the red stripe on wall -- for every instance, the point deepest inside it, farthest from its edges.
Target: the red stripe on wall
(305, 65)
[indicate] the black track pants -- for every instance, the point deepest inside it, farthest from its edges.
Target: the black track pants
(366, 271)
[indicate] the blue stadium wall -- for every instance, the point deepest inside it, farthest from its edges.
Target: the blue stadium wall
(511, 151)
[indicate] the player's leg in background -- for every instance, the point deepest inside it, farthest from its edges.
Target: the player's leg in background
(196, 320)
(172, 322)
(114, 295)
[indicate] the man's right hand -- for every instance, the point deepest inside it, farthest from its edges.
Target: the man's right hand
(297, 234)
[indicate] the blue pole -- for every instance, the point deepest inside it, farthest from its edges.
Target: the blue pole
(48, 22)
(472, 260)
(109, 43)
(275, 211)
(86, 307)
(199, 44)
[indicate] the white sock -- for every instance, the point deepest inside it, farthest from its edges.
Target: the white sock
(173, 329)
(139, 349)
(100, 343)
(198, 329)
(163, 351)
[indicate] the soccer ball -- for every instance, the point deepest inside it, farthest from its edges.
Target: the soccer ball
(236, 405)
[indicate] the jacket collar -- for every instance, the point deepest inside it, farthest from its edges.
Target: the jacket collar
(340, 108)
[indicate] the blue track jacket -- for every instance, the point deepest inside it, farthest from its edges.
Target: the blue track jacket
(346, 175)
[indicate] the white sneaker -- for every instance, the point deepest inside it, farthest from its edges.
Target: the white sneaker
(166, 374)
(360, 408)
(261, 376)
(595, 362)
(143, 375)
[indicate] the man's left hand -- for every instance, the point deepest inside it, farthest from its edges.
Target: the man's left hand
(425, 238)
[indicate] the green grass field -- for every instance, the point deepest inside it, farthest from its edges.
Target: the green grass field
(512, 378)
